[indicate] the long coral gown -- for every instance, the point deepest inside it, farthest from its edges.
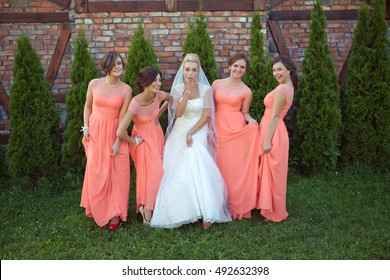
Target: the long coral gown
(106, 185)
(147, 156)
(274, 164)
(237, 156)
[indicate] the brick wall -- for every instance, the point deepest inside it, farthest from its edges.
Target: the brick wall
(167, 31)
(296, 33)
(229, 32)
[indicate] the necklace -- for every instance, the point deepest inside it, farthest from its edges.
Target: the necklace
(110, 85)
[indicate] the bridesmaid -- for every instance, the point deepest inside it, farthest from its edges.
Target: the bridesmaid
(147, 139)
(275, 143)
(237, 133)
(105, 194)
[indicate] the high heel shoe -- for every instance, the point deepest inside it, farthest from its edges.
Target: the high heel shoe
(142, 212)
(114, 227)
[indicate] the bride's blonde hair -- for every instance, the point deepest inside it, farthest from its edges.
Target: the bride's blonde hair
(191, 57)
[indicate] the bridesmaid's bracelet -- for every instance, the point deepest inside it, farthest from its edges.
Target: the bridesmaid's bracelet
(189, 92)
(138, 140)
(83, 128)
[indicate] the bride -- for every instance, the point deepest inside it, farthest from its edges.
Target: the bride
(192, 187)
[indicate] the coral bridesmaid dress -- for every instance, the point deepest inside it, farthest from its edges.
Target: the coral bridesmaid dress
(107, 178)
(237, 154)
(273, 165)
(147, 156)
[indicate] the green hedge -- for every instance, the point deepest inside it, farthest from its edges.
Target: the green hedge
(33, 151)
(366, 94)
(317, 116)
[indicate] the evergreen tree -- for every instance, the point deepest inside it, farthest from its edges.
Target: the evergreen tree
(259, 77)
(358, 134)
(380, 82)
(140, 55)
(366, 94)
(198, 41)
(83, 71)
(318, 116)
(33, 150)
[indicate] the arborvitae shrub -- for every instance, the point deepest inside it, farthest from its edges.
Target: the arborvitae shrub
(33, 151)
(317, 116)
(83, 71)
(366, 93)
(198, 41)
(259, 77)
(140, 55)
(379, 60)
(358, 133)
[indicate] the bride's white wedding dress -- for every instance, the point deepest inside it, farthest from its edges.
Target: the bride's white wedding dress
(192, 187)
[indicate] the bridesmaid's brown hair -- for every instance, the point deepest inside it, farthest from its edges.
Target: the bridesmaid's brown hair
(109, 60)
(146, 77)
(239, 56)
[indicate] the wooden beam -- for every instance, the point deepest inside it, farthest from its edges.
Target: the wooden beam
(171, 5)
(216, 5)
(278, 37)
(84, 6)
(4, 137)
(344, 71)
(275, 3)
(306, 15)
(81, 6)
(259, 5)
(126, 6)
(64, 4)
(4, 99)
(34, 17)
(58, 54)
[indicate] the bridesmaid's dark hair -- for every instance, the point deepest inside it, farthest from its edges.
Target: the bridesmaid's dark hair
(146, 77)
(287, 62)
(109, 60)
(239, 56)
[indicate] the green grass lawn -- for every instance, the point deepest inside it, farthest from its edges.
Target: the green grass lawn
(332, 216)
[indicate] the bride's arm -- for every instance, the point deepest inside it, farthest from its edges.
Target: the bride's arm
(182, 104)
(202, 121)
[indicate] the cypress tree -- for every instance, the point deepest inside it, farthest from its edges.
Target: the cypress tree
(365, 98)
(318, 116)
(358, 134)
(140, 55)
(83, 71)
(259, 77)
(380, 82)
(33, 151)
(198, 41)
